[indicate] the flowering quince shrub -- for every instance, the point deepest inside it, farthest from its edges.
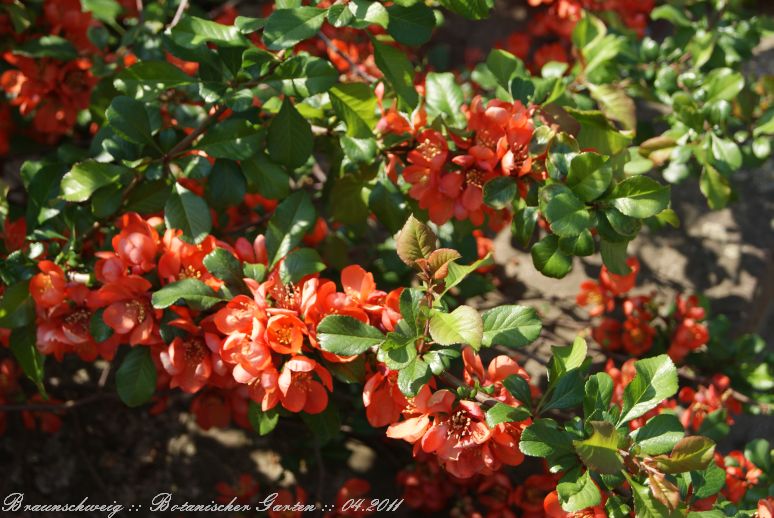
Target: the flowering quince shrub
(278, 215)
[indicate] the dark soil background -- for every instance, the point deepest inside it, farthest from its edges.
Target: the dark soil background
(108, 452)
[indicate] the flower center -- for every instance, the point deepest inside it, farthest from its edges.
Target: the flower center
(194, 350)
(459, 425)
(189, 272)
(78, 321)
(474, 177)
(485, 138)
(286, 296)
(136, 311)
(284, 335)
(428, 150)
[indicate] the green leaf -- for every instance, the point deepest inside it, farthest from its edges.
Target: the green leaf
(300, 263)
(193, 292)
(561, 151)
(502, 413)
(266, 177)
(587, 178)
(708, 482)
(646, 505)
(461, 326)
(99, 330)
(598, 133)
(222, 264)
(148, 197)
(128, 118)
(287, 27)
(723, 83)
(347, 336)
(659, 435)
(440, 359)
(369, 12)
(615, 104)
(577, 491)
(443, 96)
(226, 185)
(303, 76)
(692, 453)
(543, 438)
(600, 451)
(510, 325)
(356, 105)
(150, 76)
(291, 220)
(473, 9)
(656, 380)
(326, 425)
(640, 197)
(598, 394)
(136, 377)
(17, 308)
(726, 152)
(518, 388)
(567, 214)
(566, 358)
(290, 140)
(503, 65)
(398, 70)
(22, 343)
(414, 241)
(187, 212)
(234, 139)
(192, 32)
(580, 245)
(413, 377)
(412, 25)
(614, 256)
(672, 14)
(549, 259)
(500, 192)
(457, 273)
(48, 46)
(715, 187)
(389, 206)
(759, 452)
(567, 392)
(262, 422)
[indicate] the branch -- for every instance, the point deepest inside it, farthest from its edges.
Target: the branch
(352, 65)
(178, 13)
(51, 407)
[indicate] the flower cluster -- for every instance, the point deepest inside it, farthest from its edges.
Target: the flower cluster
(51, 90)
(547, 36)
(261, 344)
(456, 430)
(633, 323)
(449, 181)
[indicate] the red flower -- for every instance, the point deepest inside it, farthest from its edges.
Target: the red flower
(137, 243)
(382, 398)
(285, 333)
(242, 492)
(593, 294)
(299, 391)
(211, 410)
(553, 509)
(285, 498)
(766, 507)
(352, 489)
(741, 475)
(529, 495)
(620, 284)
(608, 334)
(48, 288)
(127, 309)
